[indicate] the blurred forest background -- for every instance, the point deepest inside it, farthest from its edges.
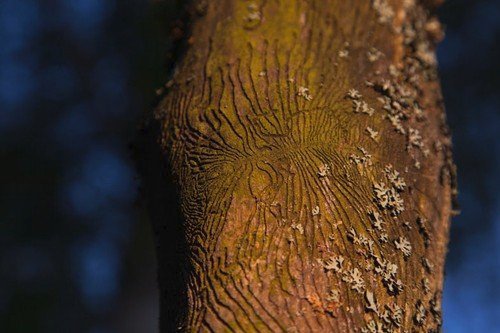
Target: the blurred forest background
(76, 250)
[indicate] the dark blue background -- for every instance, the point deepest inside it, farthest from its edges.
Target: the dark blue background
(76, 252)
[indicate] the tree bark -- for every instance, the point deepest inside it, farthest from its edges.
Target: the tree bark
(309, 145)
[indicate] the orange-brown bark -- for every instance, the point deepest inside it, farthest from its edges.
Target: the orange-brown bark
(309, 144)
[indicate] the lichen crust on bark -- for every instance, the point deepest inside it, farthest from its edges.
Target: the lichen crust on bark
(309, 143)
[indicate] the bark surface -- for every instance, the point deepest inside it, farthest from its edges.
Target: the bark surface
(309, 143)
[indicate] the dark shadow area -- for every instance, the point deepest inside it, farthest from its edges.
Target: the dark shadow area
(165, 214)
(161, 195)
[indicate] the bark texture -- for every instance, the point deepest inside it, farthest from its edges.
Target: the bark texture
(309, 143)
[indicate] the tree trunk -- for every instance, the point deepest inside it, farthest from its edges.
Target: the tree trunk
(309, 145)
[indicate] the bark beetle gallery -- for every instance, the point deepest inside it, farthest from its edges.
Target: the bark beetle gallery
(309, 144)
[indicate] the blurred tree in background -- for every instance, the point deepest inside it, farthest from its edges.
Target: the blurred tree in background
(76, 249)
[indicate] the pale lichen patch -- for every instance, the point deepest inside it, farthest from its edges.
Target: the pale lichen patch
(388, 272)
(425, 285)
(384, 11)
(372, 133)
(373, 54)
(335, 225)
(355, 279)
(353, 236)
(376, 219)
(435, 308)
(402, 244)
(354, 94)
(371, 303)
(420, 313)
(425, 54)
(323, 170)
(334, 263)
(392, 316)
(298, 227)
(396, 123)
(304, 92)
(419, 113)
(362, 107)
(394, 178)
(365, 159)
(414, 138)
(253, 16)
(388, 198)
(359, 106)
(383, 238)
(423, 230)
(429, 267)
(344, 53)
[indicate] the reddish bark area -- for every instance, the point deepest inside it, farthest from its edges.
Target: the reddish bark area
(309, 144)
